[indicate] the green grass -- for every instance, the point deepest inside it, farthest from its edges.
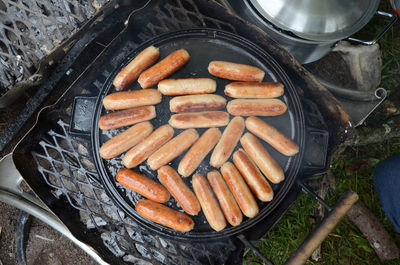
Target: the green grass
(346, 244)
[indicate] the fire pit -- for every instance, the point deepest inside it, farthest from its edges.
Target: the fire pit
(55, 157)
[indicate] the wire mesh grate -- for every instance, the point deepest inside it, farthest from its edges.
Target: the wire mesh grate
(120, 233)
(31, 29)
(65, 163)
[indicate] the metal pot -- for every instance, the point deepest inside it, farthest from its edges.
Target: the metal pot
(310, 39)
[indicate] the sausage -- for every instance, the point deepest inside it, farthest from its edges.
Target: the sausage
(240, 190)
(272, 136)
(256, 181)
(197, 103)
(137, 182)
(226, 200)
(256, 107)
(131, 99)
(268, 166)
(235, 71)
(187, 86)
(163, 68)
(142, 151)
(163, 215)
(125, 140)
(130, 73)
(254, 89)
(179, 190)
(208, 203)
(206, 119)
(126, 117)
(198, 152)
(172, 149)
(227, 143)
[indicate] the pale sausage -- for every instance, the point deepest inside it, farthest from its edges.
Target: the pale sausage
(137, 182)
(153, 142)
(163, 215)
(172, 149)
(235, 71)
(179, 190)
(206, 119)
(208, 203)
(126, 117)
(256, 107)
(228, 141)
(226, 200)
(265, 162)
(131, 99)
(187, 86)
(256, 181)
(198, 152)
(254, 90)
(130, 73)
(125, 140)
(163, 68)
(272, 136)
(240, 190)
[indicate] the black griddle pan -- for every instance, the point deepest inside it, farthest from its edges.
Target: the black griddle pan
(204, 45)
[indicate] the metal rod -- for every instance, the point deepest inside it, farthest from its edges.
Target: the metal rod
(307, 190)
(254, 249)
(48, 218)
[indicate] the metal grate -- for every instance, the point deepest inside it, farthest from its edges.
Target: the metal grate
(66, 166)
(31, 29)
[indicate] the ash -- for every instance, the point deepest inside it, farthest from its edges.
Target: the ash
(32, 29)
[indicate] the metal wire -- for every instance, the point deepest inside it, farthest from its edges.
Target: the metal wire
(31, 29)
(66, 165)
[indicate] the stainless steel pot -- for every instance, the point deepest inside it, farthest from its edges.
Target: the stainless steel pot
(323, 37)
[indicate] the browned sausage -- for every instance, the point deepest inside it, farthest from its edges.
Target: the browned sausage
(142, 151)
(262, 158)
(240, 190)
(137, 182)
(198, 151)
(256, 107)
(272, 136)
(227, 143)
(163, 68)
(235, 71)
(256, 181)
(131, 99)
(206, 119)
(126, 117)
(187, 86)
(130, 73)
(208, 203)
(179, 190)
(226, 200)
(254, 90)
(125, 140)
(197, 103)
(172, 149)
(163, 215)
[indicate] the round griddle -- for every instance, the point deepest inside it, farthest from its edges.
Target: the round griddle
(203, 45)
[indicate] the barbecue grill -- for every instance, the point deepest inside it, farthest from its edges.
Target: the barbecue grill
(56, 158)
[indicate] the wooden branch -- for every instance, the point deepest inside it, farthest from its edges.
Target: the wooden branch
(374, 231)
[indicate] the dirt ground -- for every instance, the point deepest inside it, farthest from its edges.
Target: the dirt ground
(45, 245)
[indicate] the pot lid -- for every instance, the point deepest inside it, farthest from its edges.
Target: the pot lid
(318, 19)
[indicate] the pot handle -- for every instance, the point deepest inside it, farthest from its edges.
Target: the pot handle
(391, 16)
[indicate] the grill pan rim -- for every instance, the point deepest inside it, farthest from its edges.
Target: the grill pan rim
(290, 175)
